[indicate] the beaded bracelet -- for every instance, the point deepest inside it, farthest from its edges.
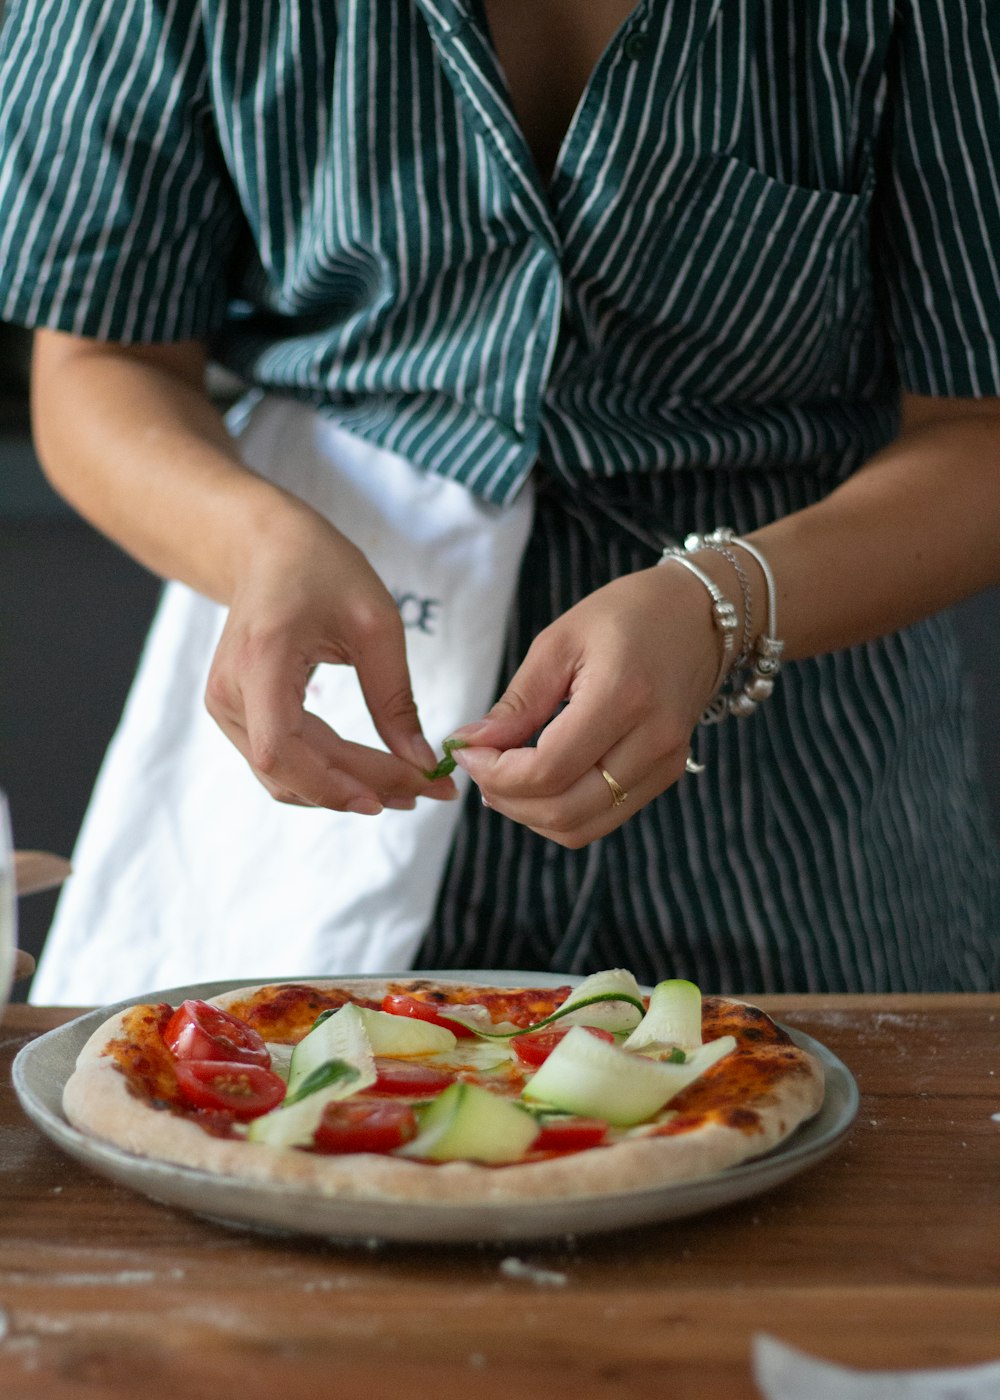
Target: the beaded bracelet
(723, 615)
(742, 578)
(764, 662)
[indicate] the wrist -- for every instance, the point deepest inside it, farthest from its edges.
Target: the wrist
(741, 579)
(723, 614)
(275, 534)
(747, 679)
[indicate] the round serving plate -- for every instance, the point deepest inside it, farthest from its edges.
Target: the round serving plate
(42, 1068)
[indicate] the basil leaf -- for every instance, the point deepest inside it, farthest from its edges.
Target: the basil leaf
(447, 764)
(321, 1078)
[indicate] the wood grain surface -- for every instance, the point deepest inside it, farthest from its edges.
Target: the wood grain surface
(886, 1255)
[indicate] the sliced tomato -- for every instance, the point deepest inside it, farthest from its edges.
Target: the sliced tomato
(570, 1135)
(365, 1125)
(400, 1005)
(246, 1091)
(536, 1047)
(198, 1031)
(411, 1078)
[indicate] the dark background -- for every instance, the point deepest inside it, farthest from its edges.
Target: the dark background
(73, 614)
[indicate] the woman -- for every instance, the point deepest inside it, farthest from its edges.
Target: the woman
(668, 267)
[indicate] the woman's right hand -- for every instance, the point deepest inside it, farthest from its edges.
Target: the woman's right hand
(307, 596)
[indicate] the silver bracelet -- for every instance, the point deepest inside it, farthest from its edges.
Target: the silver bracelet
(696, 542)
(723, 615)
(764, 661)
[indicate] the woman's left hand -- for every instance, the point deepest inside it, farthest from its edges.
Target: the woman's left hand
(635, 664)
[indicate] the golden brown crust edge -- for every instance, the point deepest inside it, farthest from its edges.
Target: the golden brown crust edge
(98, 1102)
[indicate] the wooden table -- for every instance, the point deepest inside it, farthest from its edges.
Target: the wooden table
(887, 1254)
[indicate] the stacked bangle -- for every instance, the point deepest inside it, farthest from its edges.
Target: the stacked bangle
(745, 590)
(750, 677)
(723, 612)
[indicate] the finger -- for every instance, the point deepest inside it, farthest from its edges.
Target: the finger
(389, 777)
(298, 757)
(261, 713)
(323, 769)
(280, 794)
(385, 683)
(263, 716)
(536, 690)
(316, 765)
(588, 727)
(580, 708)
(599, 801)
(613, 713)
(295, 775)
(295, 754)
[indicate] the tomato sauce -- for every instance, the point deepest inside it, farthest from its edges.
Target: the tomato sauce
(142, 1056)
(285, 1014)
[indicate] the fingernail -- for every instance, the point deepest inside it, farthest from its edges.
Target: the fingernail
(469, 731)
(470, 759)
(422, 753)
(400, 804)
(364, 807)
(442, 788)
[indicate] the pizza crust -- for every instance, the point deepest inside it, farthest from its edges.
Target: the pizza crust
(98, 1101)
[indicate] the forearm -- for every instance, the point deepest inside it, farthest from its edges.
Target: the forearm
(131, 439)
(913, 532)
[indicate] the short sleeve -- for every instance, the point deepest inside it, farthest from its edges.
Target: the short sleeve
(117, 217)
(937, 219)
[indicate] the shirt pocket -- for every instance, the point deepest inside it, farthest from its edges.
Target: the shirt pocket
(762, 289)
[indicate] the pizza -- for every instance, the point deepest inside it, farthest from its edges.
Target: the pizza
(424, 1090)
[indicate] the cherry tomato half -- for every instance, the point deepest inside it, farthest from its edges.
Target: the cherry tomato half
(410, 1077)
(400, 1005)
(365, 1125)
(536, 1047)
(246, 1091)
(197, 1031)
(569, 1135)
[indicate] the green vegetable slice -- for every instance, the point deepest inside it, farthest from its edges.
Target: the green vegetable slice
(673, 1019)
(342, 1036)
(405, 1036)
(469, 1123)
(332, 1062)
(447, 765)
(599, 1080)
(611, 1000)
(294, 1123)
(333, 1072)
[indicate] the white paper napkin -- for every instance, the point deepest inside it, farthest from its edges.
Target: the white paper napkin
(782, 1373)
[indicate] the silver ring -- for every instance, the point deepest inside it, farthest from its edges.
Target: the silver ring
(690, 766)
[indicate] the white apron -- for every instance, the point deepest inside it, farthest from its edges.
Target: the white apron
(185, 869)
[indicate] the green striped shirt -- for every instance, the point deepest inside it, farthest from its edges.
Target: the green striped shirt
(766, 216)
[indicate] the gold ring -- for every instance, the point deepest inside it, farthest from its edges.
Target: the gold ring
(618, 793)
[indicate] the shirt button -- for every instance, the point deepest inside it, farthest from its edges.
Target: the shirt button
(637, 45)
